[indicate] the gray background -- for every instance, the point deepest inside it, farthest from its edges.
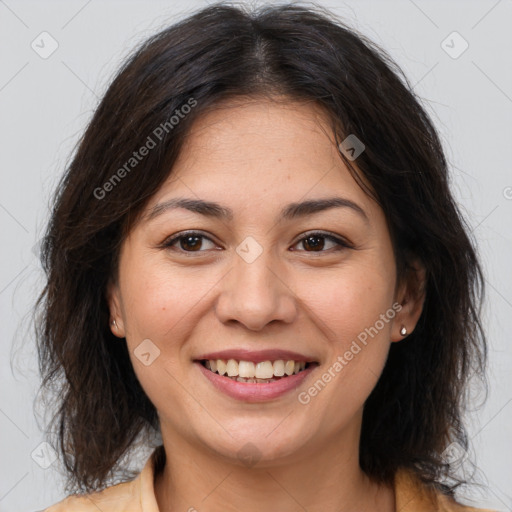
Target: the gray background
(46, 102)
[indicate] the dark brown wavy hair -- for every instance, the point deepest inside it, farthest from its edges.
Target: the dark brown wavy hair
(303, 53)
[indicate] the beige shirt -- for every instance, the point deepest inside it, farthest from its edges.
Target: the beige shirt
(138, 495)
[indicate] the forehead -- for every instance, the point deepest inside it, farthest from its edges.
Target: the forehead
(251, 131)
(256, 151)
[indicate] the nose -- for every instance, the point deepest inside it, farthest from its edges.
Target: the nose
(256, 293)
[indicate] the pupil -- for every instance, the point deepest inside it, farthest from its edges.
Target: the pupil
(186, 242)
(310, 242)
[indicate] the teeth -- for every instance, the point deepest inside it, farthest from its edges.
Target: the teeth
(253, 381)
(264, 370)
(232, 368)
(221, 367)
(289, 367)
(279, 368)
(247, 371)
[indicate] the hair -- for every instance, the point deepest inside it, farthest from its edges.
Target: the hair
(223, 52)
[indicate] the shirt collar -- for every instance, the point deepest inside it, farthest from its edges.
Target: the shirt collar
(146, 485)
(411, 495)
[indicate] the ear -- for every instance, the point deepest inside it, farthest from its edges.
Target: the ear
(410, 295)
(114, 303)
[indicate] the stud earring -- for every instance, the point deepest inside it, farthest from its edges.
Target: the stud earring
(114, 323)
(403, 330)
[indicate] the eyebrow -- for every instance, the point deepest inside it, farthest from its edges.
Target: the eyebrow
(289, 212)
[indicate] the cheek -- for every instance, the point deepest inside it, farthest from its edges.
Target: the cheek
(348, 311)
(150, 304)
(350, 300)
(163, 304)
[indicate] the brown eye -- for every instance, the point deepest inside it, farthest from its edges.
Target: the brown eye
(316, 242)
(188, 242)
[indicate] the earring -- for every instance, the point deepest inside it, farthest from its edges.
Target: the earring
(403, 330)
(114, 323)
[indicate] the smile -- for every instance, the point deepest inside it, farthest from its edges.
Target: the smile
(251, 381)
(262, 372)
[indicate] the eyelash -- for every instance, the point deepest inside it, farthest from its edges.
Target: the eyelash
(342, 244)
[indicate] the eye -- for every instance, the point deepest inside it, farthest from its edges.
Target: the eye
(190, 241)
(193, 241)
(315, 242)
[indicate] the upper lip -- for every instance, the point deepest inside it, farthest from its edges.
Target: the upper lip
(256, 356)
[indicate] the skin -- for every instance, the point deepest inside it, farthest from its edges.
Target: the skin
(256, 156)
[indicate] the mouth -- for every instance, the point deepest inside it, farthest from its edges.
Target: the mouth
(256, 375)
(256, 372)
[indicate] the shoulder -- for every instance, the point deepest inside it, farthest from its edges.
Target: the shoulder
(412, 495)
(117, 498)
(136, 495)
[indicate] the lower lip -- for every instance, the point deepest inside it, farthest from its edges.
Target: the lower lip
(255, 392)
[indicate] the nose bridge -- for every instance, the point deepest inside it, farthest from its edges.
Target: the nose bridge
(254, 293)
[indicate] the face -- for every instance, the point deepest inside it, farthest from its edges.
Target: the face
(259, 278)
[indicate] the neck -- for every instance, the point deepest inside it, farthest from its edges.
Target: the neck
(327, 479)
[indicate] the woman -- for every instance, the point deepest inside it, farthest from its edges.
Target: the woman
(255, 254)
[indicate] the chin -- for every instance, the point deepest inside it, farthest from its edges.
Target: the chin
(259, 447)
